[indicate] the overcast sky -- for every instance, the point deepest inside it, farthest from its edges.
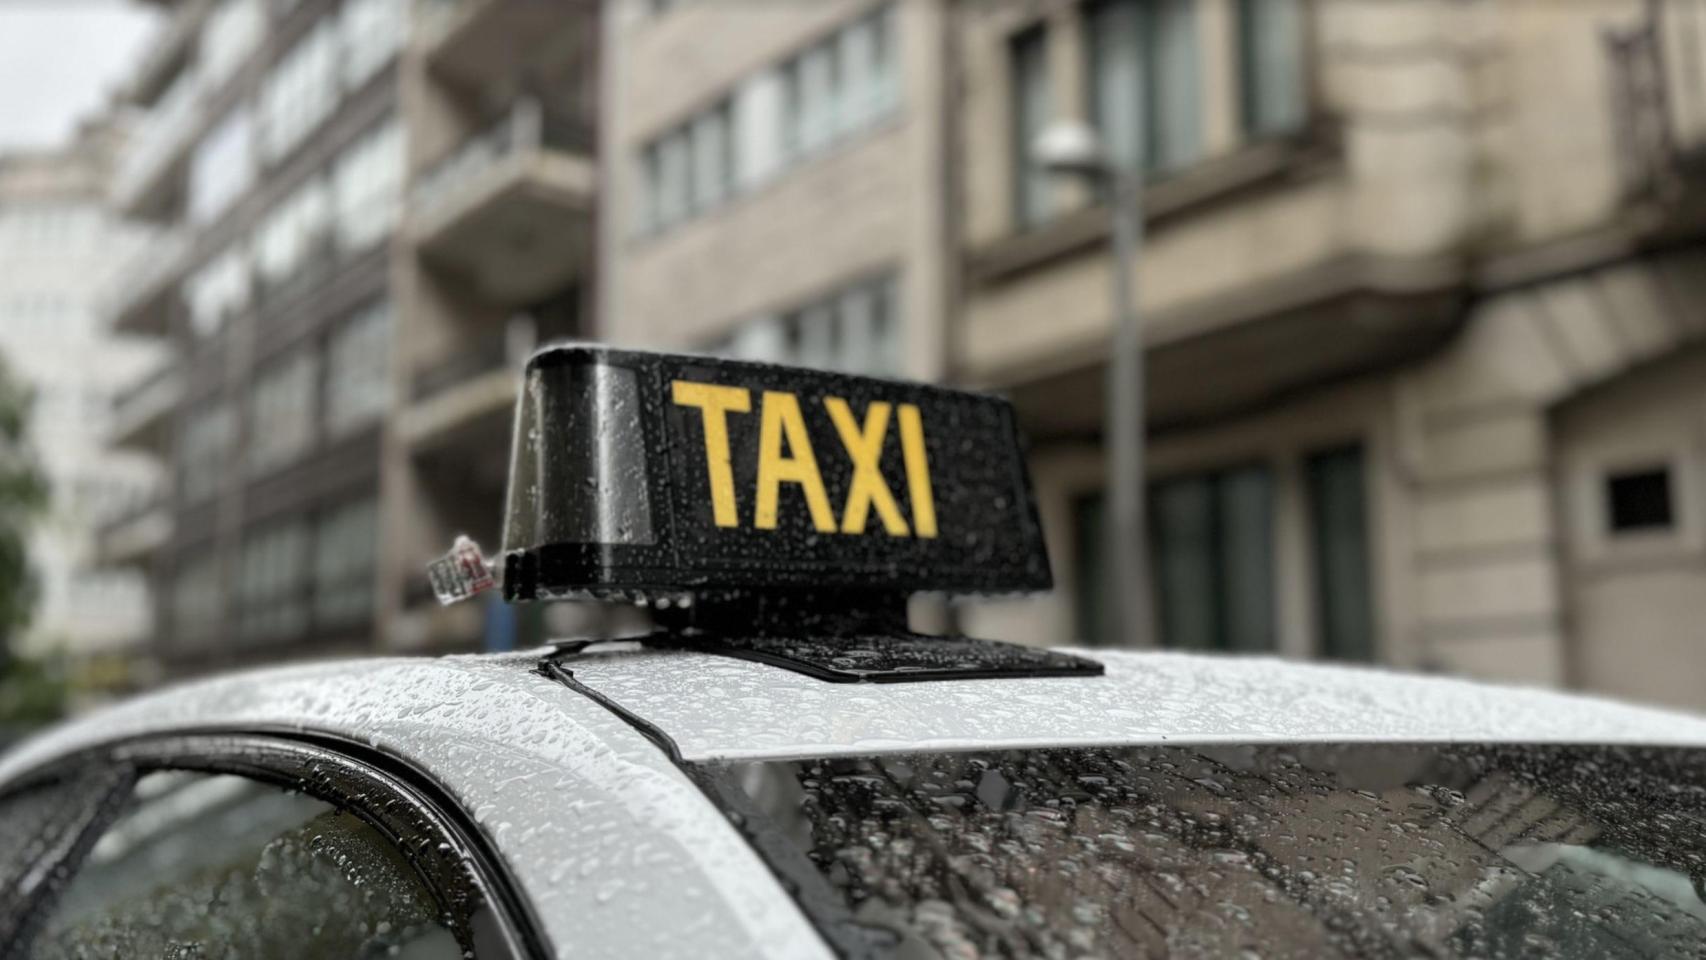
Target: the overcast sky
(58, 61)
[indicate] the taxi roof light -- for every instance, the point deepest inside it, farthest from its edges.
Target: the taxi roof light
(749, 503)
(663, 474)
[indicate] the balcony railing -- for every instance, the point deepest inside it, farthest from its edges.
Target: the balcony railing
(526, 128)
(132, 298)
(1658, 100)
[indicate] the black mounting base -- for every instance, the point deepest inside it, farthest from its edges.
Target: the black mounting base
(899, 657)
(846, 637)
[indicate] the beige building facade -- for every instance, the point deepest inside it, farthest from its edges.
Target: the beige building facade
(1424, 291)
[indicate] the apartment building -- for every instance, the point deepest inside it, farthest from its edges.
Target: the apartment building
(1423, 289)
(363, 216)
(269, 169)
(55, 236)
(770, 182)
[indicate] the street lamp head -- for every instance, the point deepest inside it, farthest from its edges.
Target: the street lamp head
(1071, 147)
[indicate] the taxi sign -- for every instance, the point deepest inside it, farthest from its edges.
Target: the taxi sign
(638, 474)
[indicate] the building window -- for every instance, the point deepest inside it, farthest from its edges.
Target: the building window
(367, 184)
(219, 291)
(1339, 514)
(358, 370)
(713, 157)
(373, 32)
(1033, 186)
(1639, 501)
(196, 601)
(223, 167)
(204, 449)
(281, 412)
(300, 92)
(271, 581)
(1145, 86)
(838, 86)
(1270, 49)
(1090, 597)
(345, 548)
(294, 234)
(1212, 560)
(854, 330)
(230, 34)
(841, 84)
(668, 169)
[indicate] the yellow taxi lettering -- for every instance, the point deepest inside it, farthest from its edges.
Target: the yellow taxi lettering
(715, 403)
(781, 421)
(865, 449)
(917, 471)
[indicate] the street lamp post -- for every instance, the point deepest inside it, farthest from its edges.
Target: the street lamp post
(1074, 149)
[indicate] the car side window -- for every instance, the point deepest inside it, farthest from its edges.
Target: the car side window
(205, 865)
(42, 827)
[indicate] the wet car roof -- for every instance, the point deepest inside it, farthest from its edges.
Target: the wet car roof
(557, 779)
(722, 708)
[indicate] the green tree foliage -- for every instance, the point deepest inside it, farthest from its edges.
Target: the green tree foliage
(28, 692)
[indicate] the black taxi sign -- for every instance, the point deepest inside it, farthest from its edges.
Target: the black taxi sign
(638, 473)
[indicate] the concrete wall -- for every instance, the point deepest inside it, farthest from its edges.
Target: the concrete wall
(1635, 602)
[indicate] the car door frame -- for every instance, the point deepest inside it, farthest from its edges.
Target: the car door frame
(412, 810)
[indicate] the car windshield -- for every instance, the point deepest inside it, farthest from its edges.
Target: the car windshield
(1302, 851)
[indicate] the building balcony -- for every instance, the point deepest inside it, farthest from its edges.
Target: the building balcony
(171, 50)
(470, 395)
(511, 209)
(478, 44)
(150, 174)
(134, 538)
(140, 297)
(142, 412)
(1660, 121)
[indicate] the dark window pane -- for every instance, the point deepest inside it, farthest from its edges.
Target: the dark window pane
(1089, 514)
(1246, 508)
(1211, 557)
(1270, 49)
(40, 830)
(217, 866)
(1031, 111)
(1337, 498)
(1639, 501)
(1185, 582)
(1311, 851)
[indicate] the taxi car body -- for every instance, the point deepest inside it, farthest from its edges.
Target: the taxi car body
(623, 800)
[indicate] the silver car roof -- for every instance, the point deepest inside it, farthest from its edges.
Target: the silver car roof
(608, 838)
(723, 708)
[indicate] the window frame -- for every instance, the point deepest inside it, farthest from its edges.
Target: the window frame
(397, 798)
(1596, 546)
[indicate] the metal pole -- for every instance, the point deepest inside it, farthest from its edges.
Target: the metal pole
(1124, 419)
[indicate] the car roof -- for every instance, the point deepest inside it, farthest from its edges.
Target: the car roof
(717, 707)
(586, 809)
